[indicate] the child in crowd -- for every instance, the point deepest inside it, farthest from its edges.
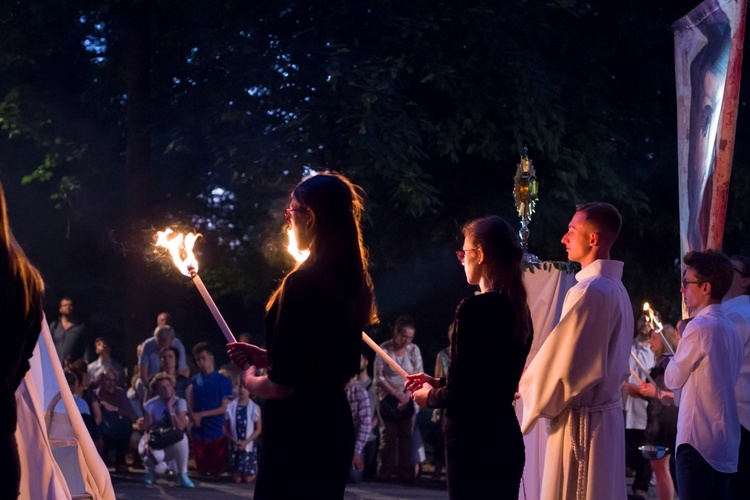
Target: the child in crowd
(207, 396)
(74, 382)
(242, 426)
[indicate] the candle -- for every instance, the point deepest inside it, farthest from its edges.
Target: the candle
(657, 327)
(181, 248)
(384, 355)
(212, 307)
(643, 369)
(635, 375)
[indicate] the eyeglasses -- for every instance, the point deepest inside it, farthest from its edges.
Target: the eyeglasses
(288, 212)
(461, 254)
(685, 283)
(741, 273)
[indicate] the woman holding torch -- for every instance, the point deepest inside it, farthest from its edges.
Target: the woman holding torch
(491, 339)
(21, 289)
(313, 325)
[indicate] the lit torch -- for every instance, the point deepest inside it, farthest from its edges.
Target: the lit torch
(181, 248)
(656, 326)
(301, 256)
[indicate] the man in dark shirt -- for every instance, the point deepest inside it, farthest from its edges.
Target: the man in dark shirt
(69, 334)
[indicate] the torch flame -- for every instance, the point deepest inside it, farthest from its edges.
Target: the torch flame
(299, 255)
(180, 246)
(653, 322)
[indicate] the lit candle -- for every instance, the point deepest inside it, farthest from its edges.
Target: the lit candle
(181, 248)
(657, 327)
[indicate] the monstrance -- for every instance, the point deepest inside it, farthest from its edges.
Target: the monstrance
(525, 191)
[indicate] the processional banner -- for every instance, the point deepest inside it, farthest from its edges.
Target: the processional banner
(708, 62)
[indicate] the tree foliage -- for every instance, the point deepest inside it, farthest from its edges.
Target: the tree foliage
(426, 104)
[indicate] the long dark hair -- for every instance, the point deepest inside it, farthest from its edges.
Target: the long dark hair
(503, 261)
(336, 206)
(16, 269)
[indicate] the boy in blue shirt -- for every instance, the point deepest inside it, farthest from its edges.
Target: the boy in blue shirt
(207, 397)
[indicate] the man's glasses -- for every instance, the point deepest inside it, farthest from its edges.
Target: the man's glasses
(288, 213)
(685, 283)
(461, 254)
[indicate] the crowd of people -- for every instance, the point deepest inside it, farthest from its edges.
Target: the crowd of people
(685, 405)
(159, 414)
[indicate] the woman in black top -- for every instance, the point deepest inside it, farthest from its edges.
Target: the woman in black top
(313, 327)
(21, 290)
(491, 339)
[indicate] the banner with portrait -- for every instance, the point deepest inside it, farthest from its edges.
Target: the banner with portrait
(708, 60)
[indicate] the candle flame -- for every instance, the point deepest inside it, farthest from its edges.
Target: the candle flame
(299, 255)
(653, 322)
(180, 246)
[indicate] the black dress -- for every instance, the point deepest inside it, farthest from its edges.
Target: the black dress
(661, 426)
(314, 341)
(21, 331)
(484, 446)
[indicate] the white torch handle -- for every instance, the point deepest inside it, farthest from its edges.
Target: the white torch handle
(212, 307)
(384, 355)
(643, 369)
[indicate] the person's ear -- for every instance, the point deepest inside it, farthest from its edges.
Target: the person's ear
(594, 239)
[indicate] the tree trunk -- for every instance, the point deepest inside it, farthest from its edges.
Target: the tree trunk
(137, 279)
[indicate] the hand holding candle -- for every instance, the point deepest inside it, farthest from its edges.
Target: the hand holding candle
(243, 354)
(643, 369)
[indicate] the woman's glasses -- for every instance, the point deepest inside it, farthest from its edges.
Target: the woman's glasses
(461, 254)
(288, 213)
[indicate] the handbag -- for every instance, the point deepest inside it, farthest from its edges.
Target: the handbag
(164, 435)
(390, 412)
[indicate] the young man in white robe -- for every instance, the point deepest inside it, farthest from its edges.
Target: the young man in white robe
(706, 367)
(575, 379)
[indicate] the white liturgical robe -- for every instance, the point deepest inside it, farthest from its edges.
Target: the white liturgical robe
(575, 381)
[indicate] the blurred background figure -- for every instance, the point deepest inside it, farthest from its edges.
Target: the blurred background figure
(437, 437)
(69, 334)
(242, 426)
(148, 360)
(634, 408)
(661, 427)
(116, 419)
(170, 411)
(207, 396)
(359, 402)
(396, 439)
(104, 361)
(737, 301)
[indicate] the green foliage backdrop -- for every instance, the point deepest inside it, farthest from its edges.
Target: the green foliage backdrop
(120, 117)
